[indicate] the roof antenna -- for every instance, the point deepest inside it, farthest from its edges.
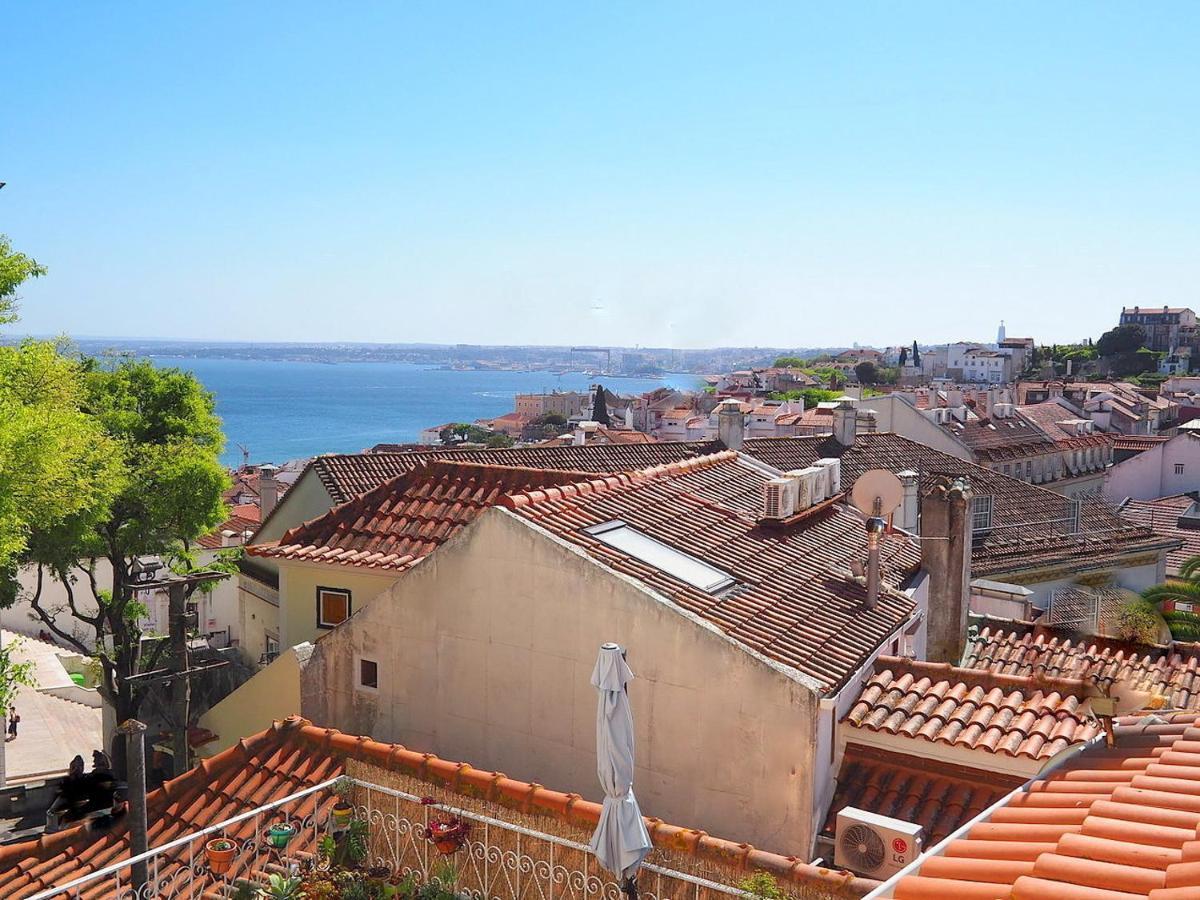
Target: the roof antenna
(876, 494)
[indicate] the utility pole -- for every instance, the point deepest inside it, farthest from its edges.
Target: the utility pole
(179, 672)
(135, 760)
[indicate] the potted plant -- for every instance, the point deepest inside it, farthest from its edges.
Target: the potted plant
(281, 887)
(218, 853)
(448, 835)
(280, 834)
(343, 810)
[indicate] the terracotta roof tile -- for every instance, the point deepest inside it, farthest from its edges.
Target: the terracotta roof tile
(794, 599)
(1030, 524)
(402, 521)
(974, 709)
(345, 476)
(1025, 649)
(936, 796)
(1108, 825)
(1162, 517)
(293, 755)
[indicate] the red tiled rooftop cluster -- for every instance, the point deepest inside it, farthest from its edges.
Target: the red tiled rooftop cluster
(399, 523)
(1171, 674)
(794, 601)
(1162, 517)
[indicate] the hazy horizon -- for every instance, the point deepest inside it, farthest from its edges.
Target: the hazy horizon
(666, 175)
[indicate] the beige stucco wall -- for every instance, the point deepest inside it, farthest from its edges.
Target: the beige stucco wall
(298, 583)
(485, 653)
(273, 693)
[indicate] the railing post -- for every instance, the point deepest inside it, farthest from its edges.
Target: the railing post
(135, 758)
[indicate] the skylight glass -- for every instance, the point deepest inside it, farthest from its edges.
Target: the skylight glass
(698, 574)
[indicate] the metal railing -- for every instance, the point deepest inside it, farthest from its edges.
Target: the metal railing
(498, 860)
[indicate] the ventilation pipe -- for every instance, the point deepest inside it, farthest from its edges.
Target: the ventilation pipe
(875, 527)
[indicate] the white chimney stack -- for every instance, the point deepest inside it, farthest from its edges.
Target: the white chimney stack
(845, 423)
(268, 489)
(731, 425)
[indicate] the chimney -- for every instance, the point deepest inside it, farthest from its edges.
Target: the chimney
(268, 489)
(731, 425)
(845, 423)
(989, 403)
(946, 559)
(907, 514)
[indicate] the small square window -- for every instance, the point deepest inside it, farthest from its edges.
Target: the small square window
(333, 607)
(368, 673)
(1178, 468)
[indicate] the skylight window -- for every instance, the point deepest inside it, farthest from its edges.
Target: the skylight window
(686, 568)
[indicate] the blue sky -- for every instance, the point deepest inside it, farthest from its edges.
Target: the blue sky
(682, 174)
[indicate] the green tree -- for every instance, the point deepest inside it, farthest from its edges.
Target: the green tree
(600, 406)
(499, 440)
(1122, 339)
(166, 489)
(866, 373)
(790, 362)
(1185, 626)
(13, 674)
(916, 355)
(15, 269)
(464, 433)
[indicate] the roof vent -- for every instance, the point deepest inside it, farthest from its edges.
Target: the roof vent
(779, 498)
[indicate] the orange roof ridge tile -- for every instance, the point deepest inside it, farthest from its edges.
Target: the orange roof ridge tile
(943, 671)
(528, 797)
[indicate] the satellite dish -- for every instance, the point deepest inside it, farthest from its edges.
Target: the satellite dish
(877, 492)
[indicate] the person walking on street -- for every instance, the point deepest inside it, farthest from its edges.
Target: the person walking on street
(13, 721)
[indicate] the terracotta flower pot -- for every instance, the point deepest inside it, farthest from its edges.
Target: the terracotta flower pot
(447, 837)
(218, 853)
(342, 814)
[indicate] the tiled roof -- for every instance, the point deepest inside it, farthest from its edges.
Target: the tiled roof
(346, 475)
(936, 796)
(1029, 523)
(794, 599)
(399, 523)
(1162, 516)
(603, 435)
(293, 755)
(238, 524)
(1170, 673)
(969, 709)
(1138, 442)
(1113, 824)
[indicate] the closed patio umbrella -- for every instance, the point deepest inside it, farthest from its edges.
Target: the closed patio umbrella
(621, 841)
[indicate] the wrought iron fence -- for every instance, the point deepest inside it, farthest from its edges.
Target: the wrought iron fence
(496, 860)
(502, 861)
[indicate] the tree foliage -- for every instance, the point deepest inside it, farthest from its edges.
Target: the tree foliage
(600, 406)
(1138, 621)
(162, 489)
(1122, 339)
(1185, 626)
(790, 362)
(464, 433)
(866, 372)
(13, 674)
(15, 269)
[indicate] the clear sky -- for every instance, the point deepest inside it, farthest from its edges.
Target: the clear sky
(682, 174)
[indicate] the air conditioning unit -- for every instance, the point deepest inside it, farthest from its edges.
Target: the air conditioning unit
(810, 486)
(779, 498)
(833, 469)
(875, 846)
